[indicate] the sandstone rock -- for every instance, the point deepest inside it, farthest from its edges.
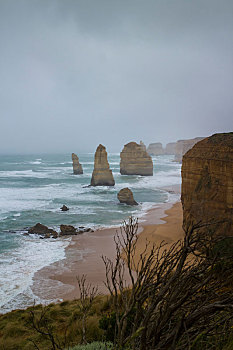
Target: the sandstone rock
(182, 146)
(125, 195)
(77, 167)
(64, 208)
(67, 230)
(170, 148)
(135, 161)
(41, 230)
(155, 149)
(207, 184)
(142, 144)
(102, 175)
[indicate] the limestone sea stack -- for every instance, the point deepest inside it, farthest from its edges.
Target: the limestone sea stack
(135, 160)
(207, 184)
(142, 144)
(125, 195)
(182, 146)
(170, 148)
(155, 149)
(102, 175)
(77, 167)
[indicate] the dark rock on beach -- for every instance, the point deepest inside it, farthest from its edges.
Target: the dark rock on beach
(67, 230)
(40, 229)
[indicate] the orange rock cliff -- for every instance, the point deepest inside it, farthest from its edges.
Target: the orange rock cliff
(207, 184)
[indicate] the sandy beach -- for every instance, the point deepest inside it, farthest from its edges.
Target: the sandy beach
(83, 255)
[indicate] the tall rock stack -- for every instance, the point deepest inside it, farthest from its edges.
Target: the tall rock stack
(170, 148)
(155, 149)
(182, 146)
(135, 160)
(102, 175)
(77, 167)
(207, 184)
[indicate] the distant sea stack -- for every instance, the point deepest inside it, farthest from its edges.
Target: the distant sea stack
(135, 160)
(207, 184)
(155, 149)
(77, 167)
(125, 195)
(182, 146)
(102, 175)
(142, 144)
(170, 148)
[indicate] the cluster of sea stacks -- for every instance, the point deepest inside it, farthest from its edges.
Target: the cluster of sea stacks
(134, 161)
(207, 181)
(178, 149)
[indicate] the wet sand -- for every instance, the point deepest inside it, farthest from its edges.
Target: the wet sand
(83, 255)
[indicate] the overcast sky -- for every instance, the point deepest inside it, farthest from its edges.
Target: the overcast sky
(76, 73)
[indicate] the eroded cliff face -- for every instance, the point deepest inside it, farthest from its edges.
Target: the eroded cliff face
(182, 146)
(207, 184)
(77, 167)
(102, 175)
(135, 160)
(155, 149)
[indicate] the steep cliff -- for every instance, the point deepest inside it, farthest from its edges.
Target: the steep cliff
(155, 149)
(182, 146)
(77, 167)
(135, 160)
(207, 184)
(170, 148)
(102, 175)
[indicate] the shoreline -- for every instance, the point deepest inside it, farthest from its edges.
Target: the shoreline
(58, 281)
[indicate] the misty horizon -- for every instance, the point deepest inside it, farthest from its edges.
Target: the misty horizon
(78, 73)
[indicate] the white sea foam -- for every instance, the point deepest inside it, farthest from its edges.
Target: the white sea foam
(35, 162)
(18, 266)
(23, 173)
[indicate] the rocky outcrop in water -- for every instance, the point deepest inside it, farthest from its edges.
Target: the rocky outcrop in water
(64, 208)
(155, 149)
(125, 195)
(135, 161)
(68, 230)
(77, 167)
(170, 148)
(207, 184)
(182, 146)
(42, 230)
(102, 175)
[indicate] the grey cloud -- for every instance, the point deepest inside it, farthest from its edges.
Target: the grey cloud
(77, 73)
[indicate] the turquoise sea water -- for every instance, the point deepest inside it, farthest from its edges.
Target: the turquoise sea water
(34, 187)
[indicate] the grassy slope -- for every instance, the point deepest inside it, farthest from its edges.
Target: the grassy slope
(16, 333)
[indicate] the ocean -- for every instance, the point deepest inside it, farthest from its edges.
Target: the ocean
(34, 187)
